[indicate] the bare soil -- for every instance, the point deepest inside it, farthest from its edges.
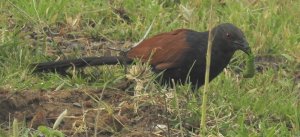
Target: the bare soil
(114, 114)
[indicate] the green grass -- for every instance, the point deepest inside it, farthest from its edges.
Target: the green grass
(266, 105)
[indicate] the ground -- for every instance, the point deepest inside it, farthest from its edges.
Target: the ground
(107, 102)
(84, 114)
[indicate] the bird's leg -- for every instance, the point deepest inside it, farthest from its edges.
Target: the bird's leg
(123, 61)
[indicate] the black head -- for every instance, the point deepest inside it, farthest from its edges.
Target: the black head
(234, 37)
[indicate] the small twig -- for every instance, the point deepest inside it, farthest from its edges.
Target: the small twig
(60, 118)
(146, 34)
(167, 116)
(114, 49)
(96, 121)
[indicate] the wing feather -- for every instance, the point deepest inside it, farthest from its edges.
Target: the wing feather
(164, 51)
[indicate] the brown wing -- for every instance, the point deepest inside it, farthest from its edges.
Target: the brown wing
(164, 51)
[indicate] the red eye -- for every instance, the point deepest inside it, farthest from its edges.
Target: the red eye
(228, 35)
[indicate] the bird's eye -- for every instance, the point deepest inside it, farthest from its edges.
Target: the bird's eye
(228, 35)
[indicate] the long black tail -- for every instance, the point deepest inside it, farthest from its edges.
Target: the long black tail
(61, 66)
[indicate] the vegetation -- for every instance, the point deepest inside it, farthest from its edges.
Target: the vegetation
(265, 105)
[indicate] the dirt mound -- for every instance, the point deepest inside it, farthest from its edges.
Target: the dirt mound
(108, 112)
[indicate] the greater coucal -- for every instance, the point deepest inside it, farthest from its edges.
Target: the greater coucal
(180, 54)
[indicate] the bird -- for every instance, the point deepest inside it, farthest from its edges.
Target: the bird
(180, 55)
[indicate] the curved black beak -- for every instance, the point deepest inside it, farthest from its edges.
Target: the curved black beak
(244, 46)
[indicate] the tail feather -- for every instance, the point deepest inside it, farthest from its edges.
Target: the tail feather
(62, 66)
